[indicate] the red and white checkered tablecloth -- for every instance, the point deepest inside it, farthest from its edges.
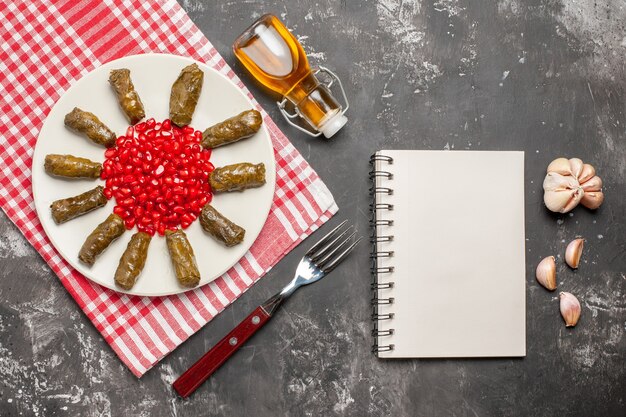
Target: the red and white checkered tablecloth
(46, 46)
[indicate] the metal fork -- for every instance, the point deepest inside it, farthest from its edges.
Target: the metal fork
(318, 262)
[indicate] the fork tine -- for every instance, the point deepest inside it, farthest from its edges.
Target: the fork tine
(325, 239)
(343, 255)
(321, 260)
(322, 252)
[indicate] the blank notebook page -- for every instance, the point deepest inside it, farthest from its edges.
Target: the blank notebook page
(458, 243)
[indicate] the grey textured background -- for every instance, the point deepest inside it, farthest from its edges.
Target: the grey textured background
(543, 76)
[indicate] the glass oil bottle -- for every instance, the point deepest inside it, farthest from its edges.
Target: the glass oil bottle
(277, 60)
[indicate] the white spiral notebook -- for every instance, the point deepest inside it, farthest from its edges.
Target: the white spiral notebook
(448, 254)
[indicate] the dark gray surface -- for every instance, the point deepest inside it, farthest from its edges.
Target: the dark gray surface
(546, 77)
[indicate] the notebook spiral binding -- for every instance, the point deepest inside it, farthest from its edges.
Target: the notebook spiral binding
(376, 255)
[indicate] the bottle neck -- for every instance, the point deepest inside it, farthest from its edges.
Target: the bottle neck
(314, 101)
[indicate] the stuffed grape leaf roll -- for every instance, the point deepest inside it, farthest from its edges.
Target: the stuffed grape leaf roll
(132, 261)
(72, 207)
(183, 259)
(100, 239)
(185, 94)
(242, 126)
(218, 226)
(89, 125)
(237, 177)
(126, 94)
(71, 166)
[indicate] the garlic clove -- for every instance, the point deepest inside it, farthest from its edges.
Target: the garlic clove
(573, 252)
(592, 199)
(588, 172)
(560, 166)
(546, 273)
(576, 167)
(562, 193)
(592, 184)
(557, 201)
(570, 308)
(578, 195)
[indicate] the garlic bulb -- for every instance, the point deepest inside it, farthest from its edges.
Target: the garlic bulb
(570, 308)
(573, 252)
(546, 273)
(569, 182)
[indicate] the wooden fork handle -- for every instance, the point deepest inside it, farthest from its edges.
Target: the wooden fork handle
(200, 371)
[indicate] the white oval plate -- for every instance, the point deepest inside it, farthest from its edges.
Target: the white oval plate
(153, 75)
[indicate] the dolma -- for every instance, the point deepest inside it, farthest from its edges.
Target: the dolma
(183, 259)
(89, 125)
(185, 93)
(100, 239)
(72, 207)
(126, 94)
(133, 260)
(72, 166)
(231, 130)
(237, 177)
(218, 226)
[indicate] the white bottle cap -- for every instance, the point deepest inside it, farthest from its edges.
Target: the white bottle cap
(332, 125)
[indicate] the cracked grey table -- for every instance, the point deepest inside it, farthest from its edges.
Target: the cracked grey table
(546, 77)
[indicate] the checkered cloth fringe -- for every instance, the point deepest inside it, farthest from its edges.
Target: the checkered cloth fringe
(46, 46)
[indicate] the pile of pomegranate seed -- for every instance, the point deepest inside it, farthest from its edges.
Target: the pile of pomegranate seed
(158, 174)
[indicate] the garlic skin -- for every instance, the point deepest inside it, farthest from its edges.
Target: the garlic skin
(570, 308)
(546, 273)
(561, 193)
(569, 182)
(573, 252)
